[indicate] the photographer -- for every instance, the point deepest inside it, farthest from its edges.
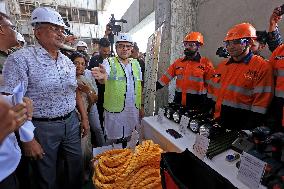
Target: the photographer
(111, 30)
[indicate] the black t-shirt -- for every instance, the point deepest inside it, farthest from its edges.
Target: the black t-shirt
(95, 62)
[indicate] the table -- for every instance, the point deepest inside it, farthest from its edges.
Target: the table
(156, 131)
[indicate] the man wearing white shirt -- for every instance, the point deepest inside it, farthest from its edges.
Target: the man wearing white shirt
(49, 79)
(122, 97)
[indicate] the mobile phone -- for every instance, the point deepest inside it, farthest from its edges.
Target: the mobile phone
(281, 10)
(174, 133)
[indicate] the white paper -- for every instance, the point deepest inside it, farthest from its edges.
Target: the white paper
(200, 146)
(184, 121)
(18, 94)
(161, 114)
(251, 170)
(26, 131)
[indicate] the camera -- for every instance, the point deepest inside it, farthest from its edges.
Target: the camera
(112, 26)
(114, 30)
(281, 10)
(222, 52)
(262, 36)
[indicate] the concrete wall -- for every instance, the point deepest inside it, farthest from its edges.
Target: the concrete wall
(215, 17)
(137, 11)
(161, 18)
(3, 6)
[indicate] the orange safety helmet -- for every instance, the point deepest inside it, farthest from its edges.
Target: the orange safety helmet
(195, 37)
(239, 31)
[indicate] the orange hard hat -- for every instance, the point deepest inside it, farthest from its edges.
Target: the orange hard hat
(195, 37)
(239, 31)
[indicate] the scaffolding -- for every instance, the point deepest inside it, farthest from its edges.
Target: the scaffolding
(84, 19)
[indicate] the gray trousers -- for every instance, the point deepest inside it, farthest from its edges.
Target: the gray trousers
(59, 138)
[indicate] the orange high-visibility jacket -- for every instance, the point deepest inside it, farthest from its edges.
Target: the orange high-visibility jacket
(277, 62)
(247, 86)
(190, 76)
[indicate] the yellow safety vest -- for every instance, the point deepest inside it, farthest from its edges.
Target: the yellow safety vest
(115, 86)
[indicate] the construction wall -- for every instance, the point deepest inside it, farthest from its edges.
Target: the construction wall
(137, 11)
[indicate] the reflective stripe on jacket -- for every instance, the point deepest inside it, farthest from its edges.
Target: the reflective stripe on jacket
(277, 62)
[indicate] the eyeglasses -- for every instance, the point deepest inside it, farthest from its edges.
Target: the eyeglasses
(10, 26)
(122, 46)
(187, 44)
(235, 42)
(55, 29)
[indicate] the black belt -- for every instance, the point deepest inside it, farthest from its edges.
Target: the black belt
(61, 118)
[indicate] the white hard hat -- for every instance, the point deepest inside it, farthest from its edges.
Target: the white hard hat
(67, 47)
(46, 14)
(20, 38)
(81, 44)
(124, 37)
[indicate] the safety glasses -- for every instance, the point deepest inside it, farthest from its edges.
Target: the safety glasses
(122, 46)
(235, 42)
(188, 44)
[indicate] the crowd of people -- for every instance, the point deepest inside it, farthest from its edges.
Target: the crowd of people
(73, 102)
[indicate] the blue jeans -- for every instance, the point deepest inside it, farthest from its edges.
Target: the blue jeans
(59, 138)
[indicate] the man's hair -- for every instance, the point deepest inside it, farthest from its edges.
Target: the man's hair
(4, 16)
(135, 46)
(77, 54)
(104, 42)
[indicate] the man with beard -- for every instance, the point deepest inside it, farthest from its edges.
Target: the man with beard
(242, 84)
(191, 72)
(49, 79)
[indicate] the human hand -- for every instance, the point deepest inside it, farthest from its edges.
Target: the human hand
(100, 73)
(33, 150)
(85, 127)
(21, 113)
(30, 107)
(83, 87)
(274, 19)
(7, 120)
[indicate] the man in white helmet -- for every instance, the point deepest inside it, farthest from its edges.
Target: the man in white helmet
(81, 46)
(122, 98)
(49, 78)
(21, 40)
